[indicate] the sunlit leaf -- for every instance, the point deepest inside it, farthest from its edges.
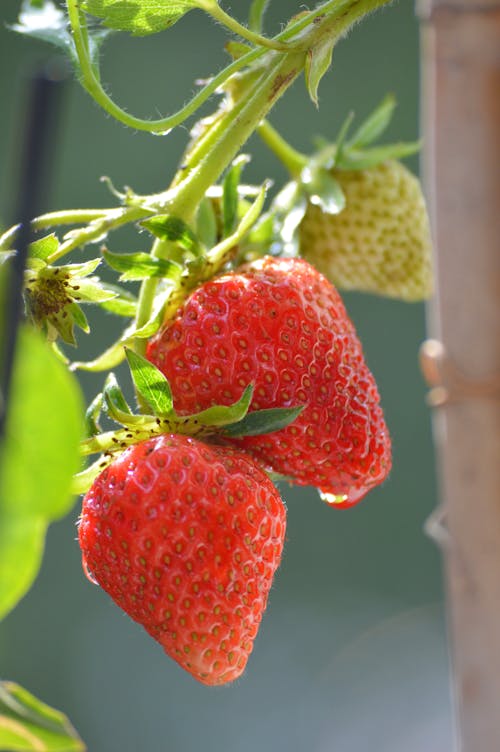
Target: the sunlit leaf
(40, 452)
(22, 539)
(38, 456)
(29, 725)
(140, 17)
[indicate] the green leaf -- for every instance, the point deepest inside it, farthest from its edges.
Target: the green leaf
(46, 21)
(136, 266)
(323, 190)
(375, 124)
(40, 452)
(22, 539)
(38, 456)
(167, 227)
(366, 158)
(256, 15)
(206, 223)
(264, 421)
(140, 17)
(230, 197)
(318, 61)
(29, 725)
(45, 247)
(150, 383)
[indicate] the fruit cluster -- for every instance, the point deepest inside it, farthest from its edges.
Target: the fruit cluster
(186, 534)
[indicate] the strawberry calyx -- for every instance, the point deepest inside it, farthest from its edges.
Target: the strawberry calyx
(314, 178)
(159, 417)
(53, 294)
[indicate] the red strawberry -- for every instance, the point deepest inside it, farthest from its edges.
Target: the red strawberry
(280, 325)
(186, 537)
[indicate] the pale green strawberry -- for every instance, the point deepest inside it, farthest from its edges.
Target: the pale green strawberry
(380, 242)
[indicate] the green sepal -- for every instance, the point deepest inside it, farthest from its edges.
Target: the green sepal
(114, 400)
(375, 124)
(44, 247)
(230, 198)
(5, 256)
(206, 223)
(84, 479)
(137, 266)
(8, 238)
(123, 304)
(288, 210)
(28, 725)
(220, 253)
(154, 322)
(78, 317)
(264, 421)
(364, 159)
(318, 61)
(145, 17)
(110, 358)
(92, 415)
(175, 230)
(323, 190)
(237, 49)
(225, 415)
(150, 383)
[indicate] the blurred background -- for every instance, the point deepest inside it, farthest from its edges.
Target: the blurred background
(351, 655)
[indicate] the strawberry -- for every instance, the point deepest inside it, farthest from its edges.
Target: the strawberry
(380, 241)
(280, 325)
(186, 537)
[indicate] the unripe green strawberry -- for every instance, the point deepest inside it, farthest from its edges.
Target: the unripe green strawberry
(380, 242)
(186, 537)
(279, 325)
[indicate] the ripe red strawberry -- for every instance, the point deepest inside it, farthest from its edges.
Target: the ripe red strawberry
(186, 537)
(280, 325)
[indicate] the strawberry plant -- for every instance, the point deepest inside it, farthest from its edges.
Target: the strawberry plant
(243, 364)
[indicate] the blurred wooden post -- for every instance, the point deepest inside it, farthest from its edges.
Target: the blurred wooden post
(461, 119)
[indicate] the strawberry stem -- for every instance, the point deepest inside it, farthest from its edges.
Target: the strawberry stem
(293, 160)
